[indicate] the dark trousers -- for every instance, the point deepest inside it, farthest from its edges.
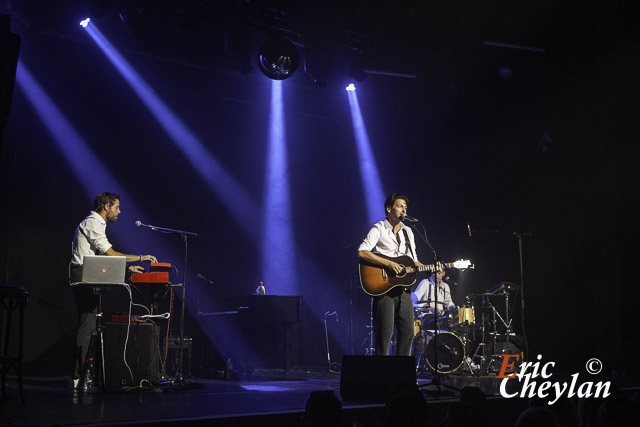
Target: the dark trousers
(394, 307)
(87, 307)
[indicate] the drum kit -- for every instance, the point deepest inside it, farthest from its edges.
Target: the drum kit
(467, 336)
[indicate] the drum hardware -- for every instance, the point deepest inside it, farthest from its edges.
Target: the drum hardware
(503, 287)
(486, 350)
(520, 288)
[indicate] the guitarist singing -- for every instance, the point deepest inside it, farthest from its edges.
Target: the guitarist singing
(391, 237)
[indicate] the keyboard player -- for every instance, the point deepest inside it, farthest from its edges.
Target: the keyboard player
(90, 239)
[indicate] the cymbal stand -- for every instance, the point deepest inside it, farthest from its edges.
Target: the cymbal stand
(494, 340)
(507, 322)
(483, 345)
(465, 345)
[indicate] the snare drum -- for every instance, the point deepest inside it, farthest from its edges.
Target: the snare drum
(463, 317)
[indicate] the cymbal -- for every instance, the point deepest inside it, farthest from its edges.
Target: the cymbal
(487, 294)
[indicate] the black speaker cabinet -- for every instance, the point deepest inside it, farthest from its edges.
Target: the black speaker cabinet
(142, 355)
(372, 378)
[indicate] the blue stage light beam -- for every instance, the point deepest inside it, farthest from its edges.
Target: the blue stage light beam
(371, 183)
(90, 172)
(236, 200)
(278, 247)
(228, 190)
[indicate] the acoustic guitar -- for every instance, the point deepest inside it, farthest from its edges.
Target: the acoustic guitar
(378, 280)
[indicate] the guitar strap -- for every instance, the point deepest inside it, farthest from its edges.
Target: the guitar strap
(408, 249)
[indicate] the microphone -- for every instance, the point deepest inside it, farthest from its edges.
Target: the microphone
(139, 224)
(408, 218)
(200, 276)
(469, 229)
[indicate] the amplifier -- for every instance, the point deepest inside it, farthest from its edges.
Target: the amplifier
(142, 355)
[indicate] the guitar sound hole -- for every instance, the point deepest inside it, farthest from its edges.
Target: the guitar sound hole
(404, 271)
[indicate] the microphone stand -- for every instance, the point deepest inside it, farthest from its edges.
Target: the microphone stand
(520, 236)
(185, 235)
(436, 373)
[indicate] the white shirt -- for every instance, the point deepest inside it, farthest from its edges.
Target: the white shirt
(426, 291)
(382, 240)
(90, 238)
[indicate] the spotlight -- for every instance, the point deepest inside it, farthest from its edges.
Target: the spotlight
(85, 22)
(278, 58)
(351, 87)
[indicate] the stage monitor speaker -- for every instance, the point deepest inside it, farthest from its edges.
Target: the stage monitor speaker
(373, 378)
(142, 355)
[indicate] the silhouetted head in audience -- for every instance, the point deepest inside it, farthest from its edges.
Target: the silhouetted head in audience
(323, 409)
(406, 407)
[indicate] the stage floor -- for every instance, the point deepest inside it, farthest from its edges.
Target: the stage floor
(271, 397)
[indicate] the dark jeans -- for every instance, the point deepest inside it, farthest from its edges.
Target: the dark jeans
(393, 307)
(87, 307)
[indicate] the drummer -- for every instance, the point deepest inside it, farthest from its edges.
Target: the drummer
(424, 296)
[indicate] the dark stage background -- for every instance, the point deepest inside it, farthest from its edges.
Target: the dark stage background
(465, 140)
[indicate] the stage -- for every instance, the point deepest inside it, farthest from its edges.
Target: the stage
(271, 398)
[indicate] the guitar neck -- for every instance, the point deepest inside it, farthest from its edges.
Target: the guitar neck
(431, 267)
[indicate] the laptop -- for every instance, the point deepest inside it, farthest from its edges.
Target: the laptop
(103, 269)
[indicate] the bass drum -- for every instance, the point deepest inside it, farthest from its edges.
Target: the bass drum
(449, 351)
